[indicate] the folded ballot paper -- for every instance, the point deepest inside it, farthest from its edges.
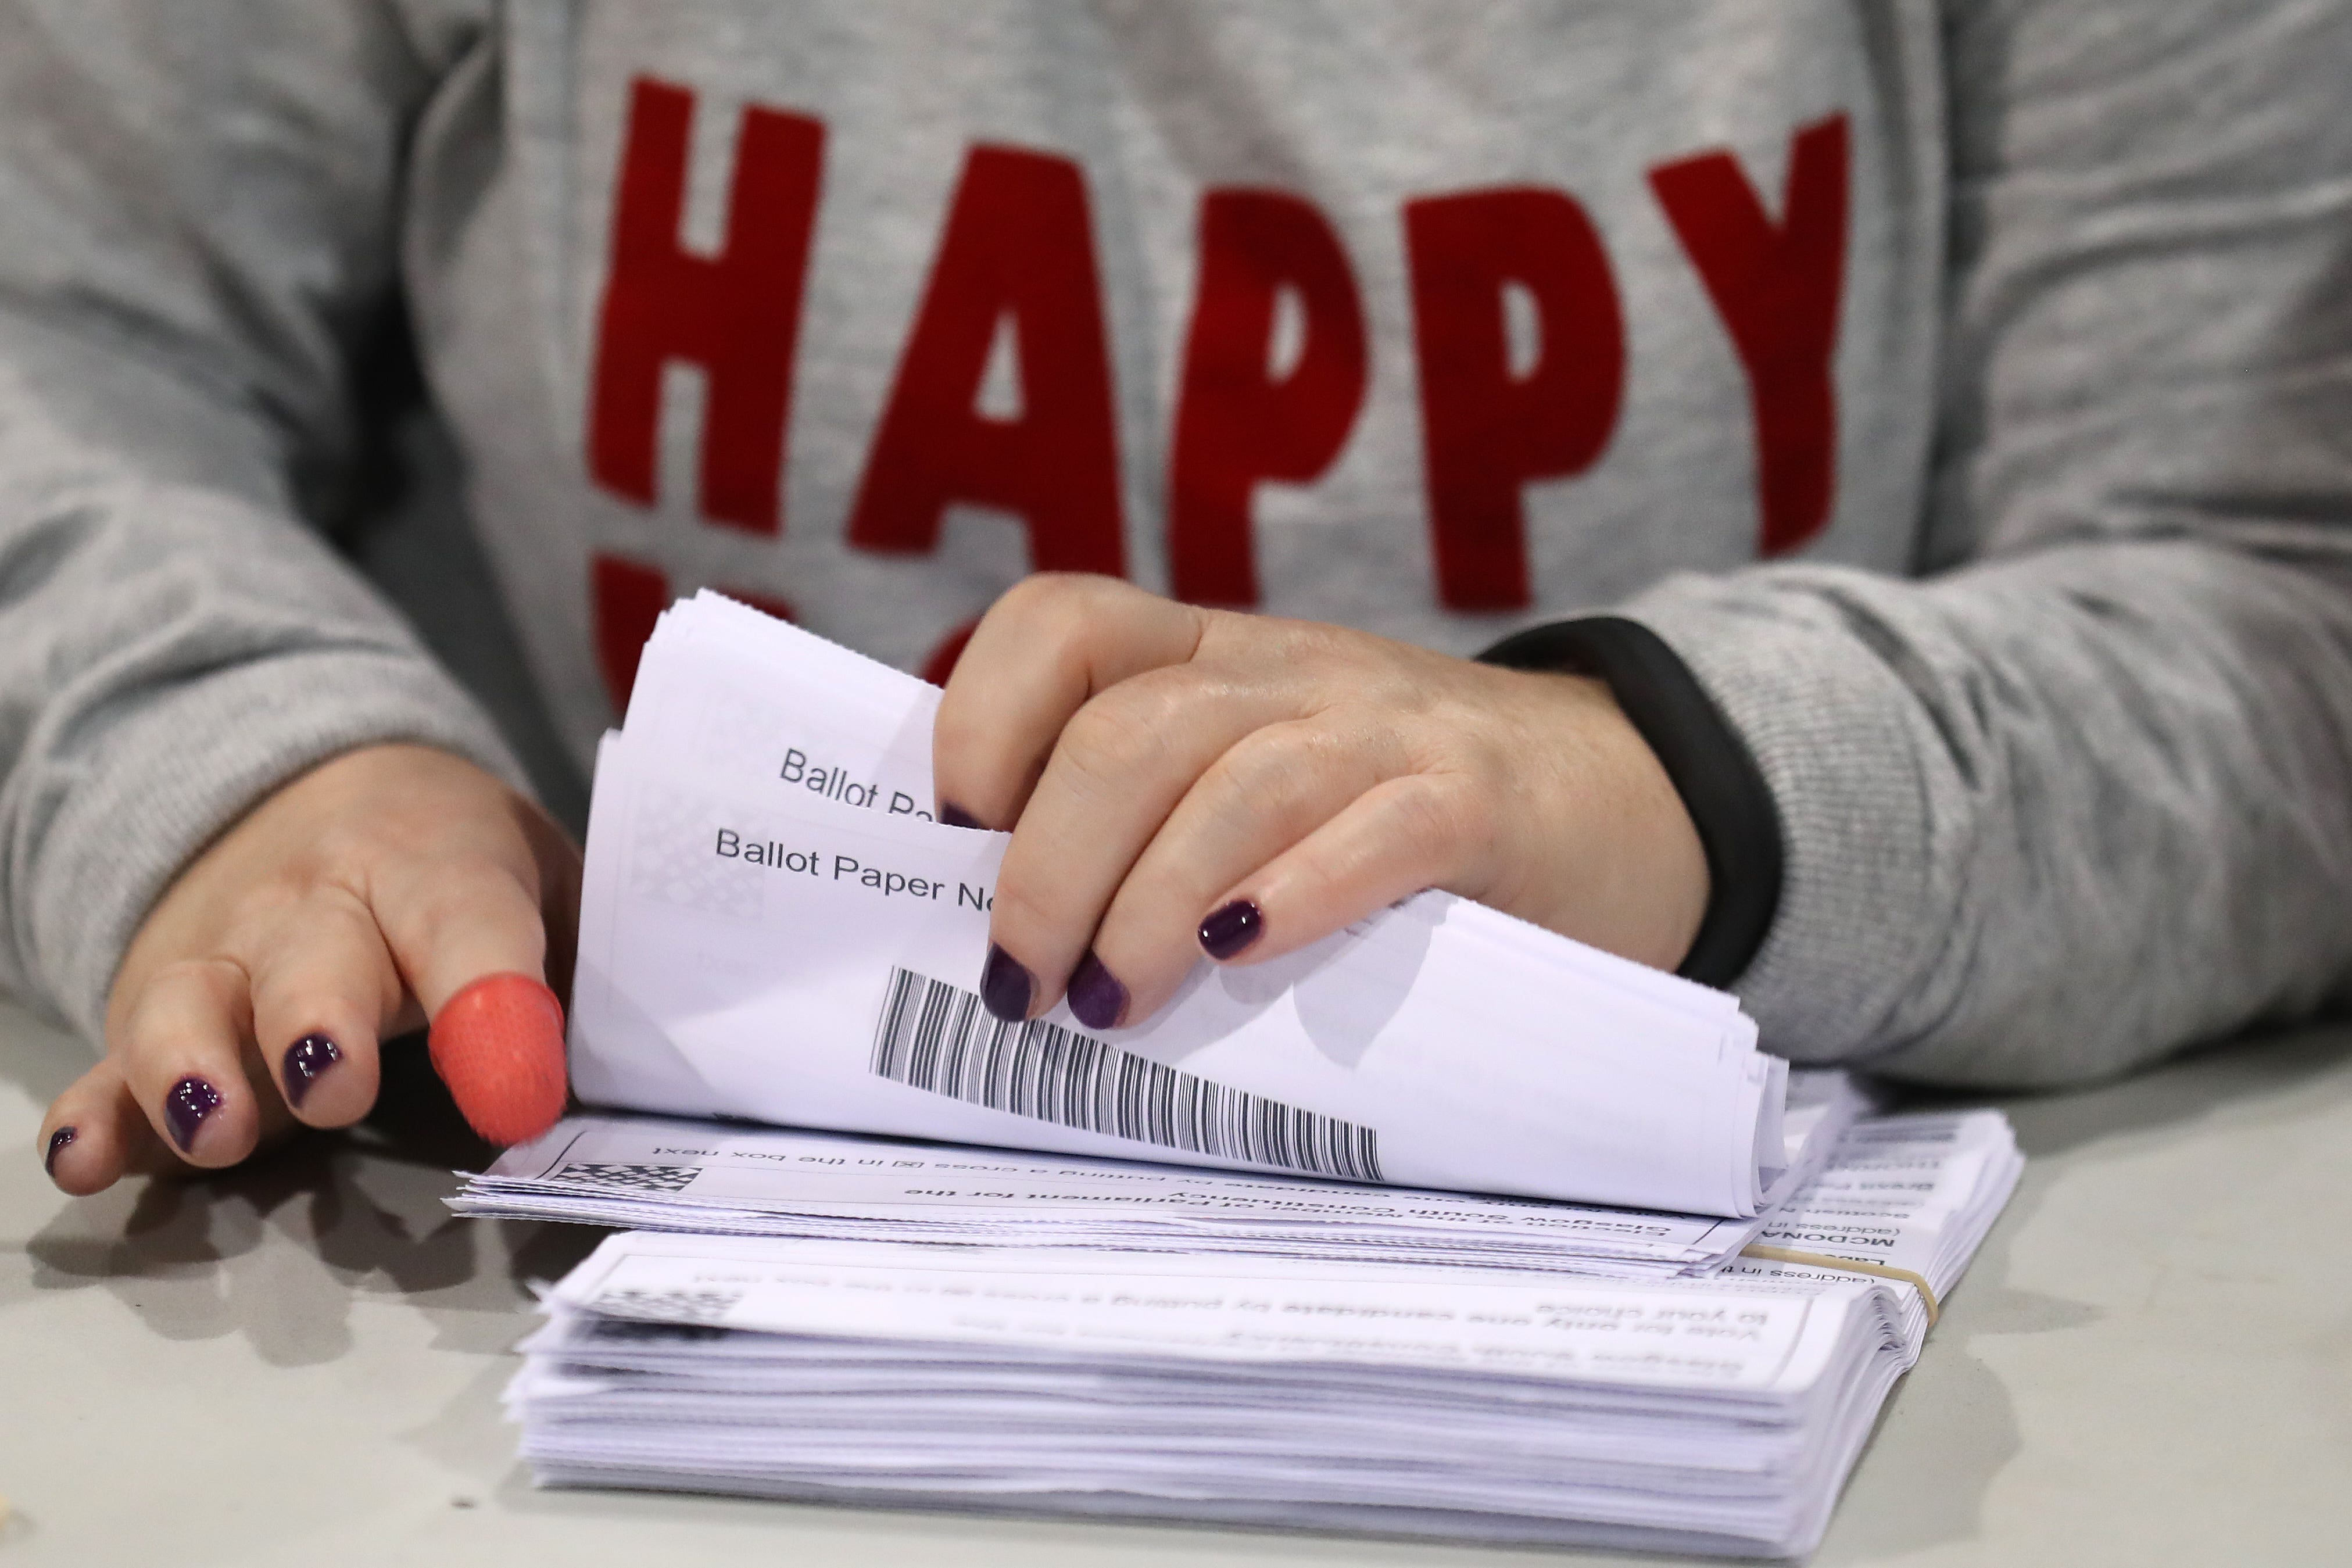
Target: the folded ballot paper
(774, 928)
(1717, 1415)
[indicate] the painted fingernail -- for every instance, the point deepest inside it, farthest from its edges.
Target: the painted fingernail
(1096, 995)
(306, 1059)
(955, 815)
(1005, 988)
(191, 1101)
(58, 1141)
(1232, 928)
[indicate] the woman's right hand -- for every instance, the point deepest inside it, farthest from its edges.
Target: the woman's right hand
(346, 907)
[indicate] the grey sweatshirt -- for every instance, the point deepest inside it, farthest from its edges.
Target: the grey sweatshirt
(1965, 398)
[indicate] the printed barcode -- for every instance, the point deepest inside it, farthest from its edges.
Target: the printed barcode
(938, 1036)
(643, 1178)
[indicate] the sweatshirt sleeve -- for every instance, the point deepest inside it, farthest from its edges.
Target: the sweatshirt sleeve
(2082, 793)
(198, 218)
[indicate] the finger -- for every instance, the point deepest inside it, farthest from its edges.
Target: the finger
(94, 1132)
(182, 1056)
(1121, 765)
(1043, 650)
(1265, 793)
(470, 938)
(1421, 830)
(450, 920)
(324, 989)
(499, 1045)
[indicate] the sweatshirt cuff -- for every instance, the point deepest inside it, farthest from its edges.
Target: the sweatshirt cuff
(1837, 737)
(129, 809)
(1720, 785)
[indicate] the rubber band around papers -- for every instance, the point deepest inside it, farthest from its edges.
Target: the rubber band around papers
(1847, 1266)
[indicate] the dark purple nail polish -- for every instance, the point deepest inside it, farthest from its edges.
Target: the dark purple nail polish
(1097, 998)
(191, 1101)
(58, 1141)
(306, 1059)
(1232, 928)
(1005, 988)
(955, 815)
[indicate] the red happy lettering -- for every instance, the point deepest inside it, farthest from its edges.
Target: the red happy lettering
(625, 597)
(736, 314)
(1236, 423)
(1776, 287)
(1486, 432)
(1018, 246)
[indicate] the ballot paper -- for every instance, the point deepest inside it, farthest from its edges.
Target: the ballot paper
(654, 1174)
(772, 927)
(1716, 1415)
(1915, 1193)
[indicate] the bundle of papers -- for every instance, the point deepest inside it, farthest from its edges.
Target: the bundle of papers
(1444, 1225)
(1913, 1194)
(659, 1174)
(772, 927)
(1717, 1415)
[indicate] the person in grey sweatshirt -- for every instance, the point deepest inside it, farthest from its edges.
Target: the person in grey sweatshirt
(1895, 459)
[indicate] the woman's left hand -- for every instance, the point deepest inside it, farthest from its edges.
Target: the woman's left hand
(1180, 779)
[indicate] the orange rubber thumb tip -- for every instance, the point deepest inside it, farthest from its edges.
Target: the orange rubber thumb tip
(499, 1045)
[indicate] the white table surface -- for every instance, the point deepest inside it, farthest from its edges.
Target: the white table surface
(2151, 1362)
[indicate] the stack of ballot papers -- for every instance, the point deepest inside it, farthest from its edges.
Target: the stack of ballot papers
(774, 928)
(1444, 1225)
(1717, 1415)
(654, 1174)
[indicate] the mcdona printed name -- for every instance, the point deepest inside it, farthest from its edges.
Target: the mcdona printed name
(732, 845)
(834, 784)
